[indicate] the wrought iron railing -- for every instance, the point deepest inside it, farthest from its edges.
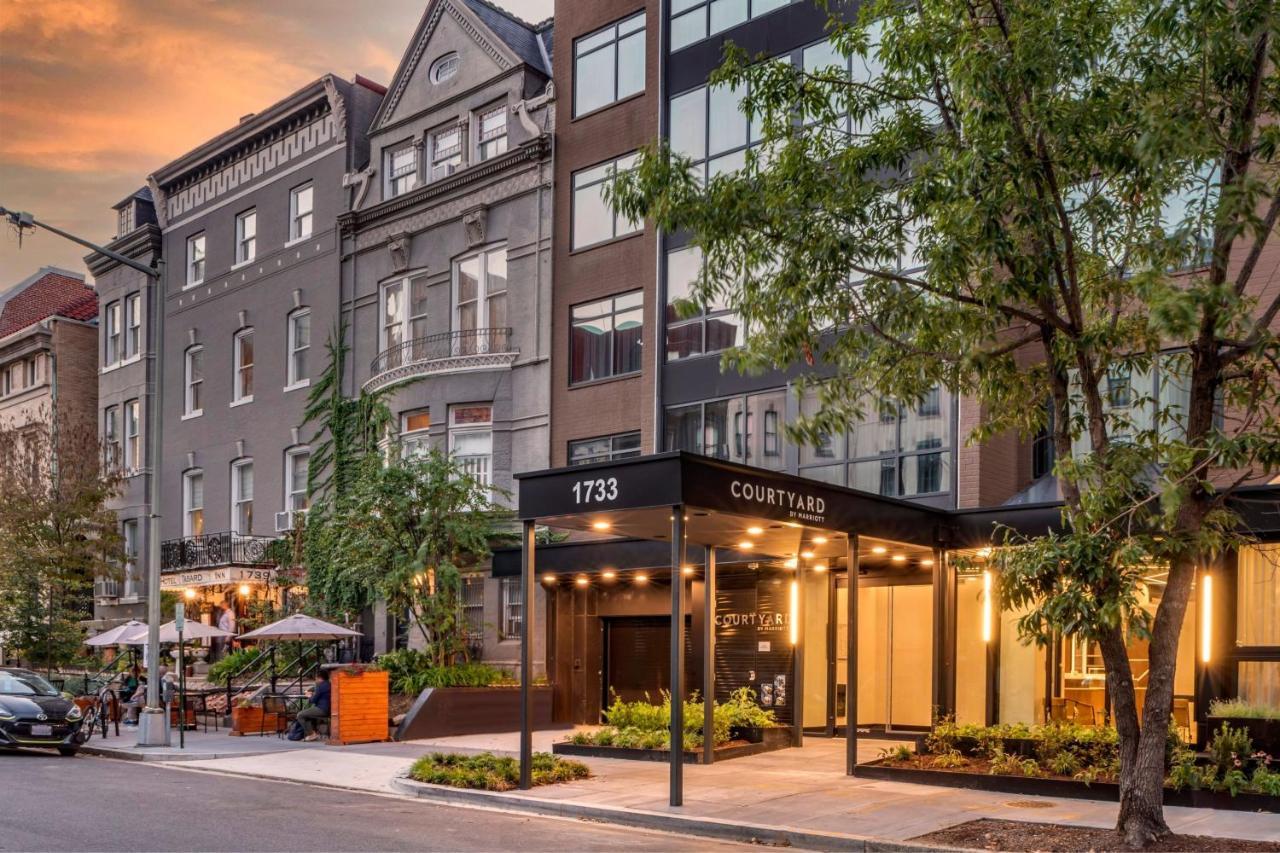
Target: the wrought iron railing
(447, 345)
(214, 549)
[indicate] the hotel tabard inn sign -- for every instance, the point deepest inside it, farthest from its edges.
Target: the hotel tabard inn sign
(212, 577)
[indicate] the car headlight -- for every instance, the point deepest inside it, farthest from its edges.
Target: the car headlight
(75, 713)
(6, 714)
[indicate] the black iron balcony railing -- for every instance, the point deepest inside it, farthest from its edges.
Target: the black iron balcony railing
(214, 549)
(444, 348)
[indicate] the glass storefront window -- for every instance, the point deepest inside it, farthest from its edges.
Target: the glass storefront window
(1258, 596)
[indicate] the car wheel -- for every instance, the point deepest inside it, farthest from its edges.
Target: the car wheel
(67, 751)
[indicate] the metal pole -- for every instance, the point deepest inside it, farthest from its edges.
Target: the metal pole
(182, 694)
(797, 661)
(154, 727)
(527, 586)
(851, 661)
(677, 656)
(709, 656)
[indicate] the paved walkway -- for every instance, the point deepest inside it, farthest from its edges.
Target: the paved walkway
(800, 789)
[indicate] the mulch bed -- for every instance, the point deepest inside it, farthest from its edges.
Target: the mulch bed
(988, 834)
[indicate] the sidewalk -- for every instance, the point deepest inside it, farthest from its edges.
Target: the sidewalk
(795, 796)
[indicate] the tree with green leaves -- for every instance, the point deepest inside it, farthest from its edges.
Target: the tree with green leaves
(58, 536)
(1030, 203)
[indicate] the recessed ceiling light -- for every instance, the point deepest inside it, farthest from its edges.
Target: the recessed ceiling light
(755, 531)
(601, 525)
(790, 524)
(927, 561)
(899, 558)
(792, 563)
(745, 545)
(808, 555)
(548, 578)
(608, 574)
(819, 567)
(581, 580)
(878, 549)
(641, 577)
(688, 570)
(819, 540)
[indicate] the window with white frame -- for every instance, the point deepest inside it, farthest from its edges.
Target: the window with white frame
(296, 463)
(124, 220)
(512, 608)
(193, 381)
(471, 440)
(444, 67)
(132, 435)
(593, 219)
(132, 577)
(112, 332)
(300, 212)
(111, 448)
(480, 301)
(132, 324)
(608, 65)
(246, 236)
(446, 152)
(415, 432)
(401, 168)
(242, 497)
(242, 379)
(193, 503)
(195, 259)
(299, 334)
(491, 133)
(404, 318)
(473, 606)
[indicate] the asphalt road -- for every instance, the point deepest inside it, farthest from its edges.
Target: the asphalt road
(86, 803)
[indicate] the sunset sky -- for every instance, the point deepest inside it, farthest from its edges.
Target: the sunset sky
(95, 94)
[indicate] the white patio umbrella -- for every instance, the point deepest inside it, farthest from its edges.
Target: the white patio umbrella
(117, 635)
(300, 626)
(192, 630)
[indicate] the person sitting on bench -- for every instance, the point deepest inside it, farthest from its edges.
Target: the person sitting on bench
(319, 708)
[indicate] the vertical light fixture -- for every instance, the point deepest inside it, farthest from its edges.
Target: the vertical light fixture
(1206, 618)
(795, 612)
(986, 606)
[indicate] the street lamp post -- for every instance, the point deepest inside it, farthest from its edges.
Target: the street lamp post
(153, 723)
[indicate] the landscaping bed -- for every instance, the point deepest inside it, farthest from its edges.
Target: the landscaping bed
(489, 772)
(990, 834)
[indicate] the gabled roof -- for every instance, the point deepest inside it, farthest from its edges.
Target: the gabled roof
(51, 292)
(513, 40)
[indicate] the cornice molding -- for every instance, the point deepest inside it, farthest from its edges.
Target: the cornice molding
(137, 244)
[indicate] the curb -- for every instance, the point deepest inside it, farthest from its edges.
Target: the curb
(163, 757)
(704, 827)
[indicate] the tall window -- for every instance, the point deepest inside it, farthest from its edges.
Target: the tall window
(404, 316)
(594, 221)
(246, 236)
(193, 381)
(243, 367)
(242, 497)
(608, 65)
(606, 448)
(299, 346)
(112, 332)
(195, 259)
(415, 432)
(693, 328)
(124, 220)
(606, 337)
(296, 464)
(741, 429)
(512, 609)
(132, 324)
(471, 440)
(401, 169)
(694, 20)
(193, 503)
(132, 435)
(300, 212)
(480, 299)
(491, 133)
(112, 450)
(446, 152)
(132, 577)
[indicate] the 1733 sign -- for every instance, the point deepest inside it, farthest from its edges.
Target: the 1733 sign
(595, 490)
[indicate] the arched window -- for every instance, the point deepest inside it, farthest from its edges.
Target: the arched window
(444, 68)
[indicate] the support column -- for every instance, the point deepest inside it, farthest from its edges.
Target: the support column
(797, 657)
(677, 656)
(851, 662)
(528, 583)
(709, 656)
(941, 663)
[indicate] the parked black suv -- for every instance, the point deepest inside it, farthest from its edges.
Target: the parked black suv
(33, 713)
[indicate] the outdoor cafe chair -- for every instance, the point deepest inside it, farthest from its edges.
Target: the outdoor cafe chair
(277, 706)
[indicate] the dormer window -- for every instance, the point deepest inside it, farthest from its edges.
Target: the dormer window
(124, 222)
(444, 68)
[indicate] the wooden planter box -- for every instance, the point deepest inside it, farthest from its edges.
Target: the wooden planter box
(361, 704)
(448, 711)
(252, 721)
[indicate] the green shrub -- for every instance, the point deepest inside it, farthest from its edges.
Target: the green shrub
(1241, 709)
(1265, 781)
(410, 672)
(1229, 748)
(644, 725)
(489, 772)
(950, 760)
(233, 663)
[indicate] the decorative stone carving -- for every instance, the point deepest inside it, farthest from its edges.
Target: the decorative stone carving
(475, 222)
(159, 200)
(360, 180)
(400, 245)
(337, 107)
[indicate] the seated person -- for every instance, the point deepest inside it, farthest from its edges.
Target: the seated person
(136, 702)
(319, 708)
